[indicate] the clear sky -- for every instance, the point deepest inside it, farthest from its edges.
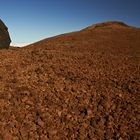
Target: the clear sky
(32, 20)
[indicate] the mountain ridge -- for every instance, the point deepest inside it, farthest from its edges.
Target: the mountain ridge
(107, 24)
(117, 25)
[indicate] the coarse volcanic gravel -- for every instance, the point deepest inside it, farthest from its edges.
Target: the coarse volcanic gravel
(78, 86)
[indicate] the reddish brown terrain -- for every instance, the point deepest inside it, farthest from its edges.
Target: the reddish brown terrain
(78, 86)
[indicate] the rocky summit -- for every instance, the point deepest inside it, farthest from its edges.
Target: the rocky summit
(4, 36)
(83, 85)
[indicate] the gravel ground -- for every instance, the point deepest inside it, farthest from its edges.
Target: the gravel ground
(78, 86)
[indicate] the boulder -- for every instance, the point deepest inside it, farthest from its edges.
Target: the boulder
(4, 36)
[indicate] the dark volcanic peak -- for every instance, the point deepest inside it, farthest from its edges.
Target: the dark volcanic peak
(110, 24)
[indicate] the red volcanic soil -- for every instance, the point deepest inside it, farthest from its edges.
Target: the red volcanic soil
(78, 86)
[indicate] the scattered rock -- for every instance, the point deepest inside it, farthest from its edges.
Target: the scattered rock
(82, 85)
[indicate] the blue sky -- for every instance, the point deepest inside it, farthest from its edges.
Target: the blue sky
(32, 20)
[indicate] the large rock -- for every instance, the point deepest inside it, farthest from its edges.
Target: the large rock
(4, 36)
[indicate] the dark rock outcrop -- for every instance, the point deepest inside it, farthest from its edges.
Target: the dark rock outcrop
(4, 36)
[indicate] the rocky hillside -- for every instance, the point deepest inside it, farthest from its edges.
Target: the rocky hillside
(83, 85)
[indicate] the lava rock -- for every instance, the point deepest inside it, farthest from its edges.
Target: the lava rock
(4, 36)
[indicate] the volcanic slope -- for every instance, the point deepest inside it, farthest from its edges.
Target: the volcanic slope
(83, 85)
